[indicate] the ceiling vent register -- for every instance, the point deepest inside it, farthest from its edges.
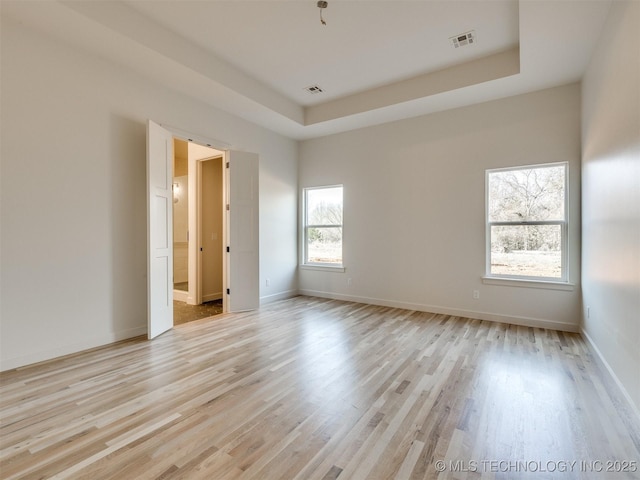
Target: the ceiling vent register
(463, 39)
(313, 89)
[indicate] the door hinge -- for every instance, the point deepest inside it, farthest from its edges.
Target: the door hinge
(227, 249)
(228, 291)
(228, 207)
(227, 164)
(200, 248)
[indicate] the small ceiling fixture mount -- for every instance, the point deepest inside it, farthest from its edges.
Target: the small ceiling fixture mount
(322, 4)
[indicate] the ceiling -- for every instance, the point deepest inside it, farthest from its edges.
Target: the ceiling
(375, 61)
(363, 45)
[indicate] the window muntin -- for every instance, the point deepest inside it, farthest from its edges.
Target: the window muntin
(323, 226)
(527, 222)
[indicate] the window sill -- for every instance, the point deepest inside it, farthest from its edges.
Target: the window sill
(323, 268)
(519, 282)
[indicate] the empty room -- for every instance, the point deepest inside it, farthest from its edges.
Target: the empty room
(410, 231)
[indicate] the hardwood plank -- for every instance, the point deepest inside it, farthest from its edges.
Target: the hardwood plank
(310, 388)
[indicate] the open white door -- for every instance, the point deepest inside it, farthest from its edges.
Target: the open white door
(159, 230)
(243, 266)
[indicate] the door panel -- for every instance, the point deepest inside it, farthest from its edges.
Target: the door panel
(211, 231)
(244, 261)
(159, 230)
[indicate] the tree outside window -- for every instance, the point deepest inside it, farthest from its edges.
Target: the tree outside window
(323, 226)
(526, 222)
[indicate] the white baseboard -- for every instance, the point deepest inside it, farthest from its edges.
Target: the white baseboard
(278, 296)
(635, 408)
(17, 362)
(180, 295)
(491, 317)
(211, 297)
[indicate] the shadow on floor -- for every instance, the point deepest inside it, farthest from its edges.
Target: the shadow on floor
(183, 313)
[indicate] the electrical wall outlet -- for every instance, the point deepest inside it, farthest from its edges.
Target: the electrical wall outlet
(267, 282)
(476, 294)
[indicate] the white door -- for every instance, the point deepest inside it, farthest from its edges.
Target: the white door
(159, 230)
(243, 265)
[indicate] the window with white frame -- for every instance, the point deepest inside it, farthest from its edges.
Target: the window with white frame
(323, 226)
(527, 222)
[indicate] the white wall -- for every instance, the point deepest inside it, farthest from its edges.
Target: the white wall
(73, 237)
(180, 229)
(611, 197)
(181, 209)
(414, 231)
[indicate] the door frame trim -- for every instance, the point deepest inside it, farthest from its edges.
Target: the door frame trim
(199, 296)
(223, 147)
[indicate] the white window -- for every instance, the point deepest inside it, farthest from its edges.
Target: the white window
(323, 226)
(527, 222)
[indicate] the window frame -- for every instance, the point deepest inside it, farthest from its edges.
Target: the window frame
(529, 280)
(305, 229)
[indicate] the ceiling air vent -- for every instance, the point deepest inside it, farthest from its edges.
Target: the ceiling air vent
(463, 39)
(313, 89)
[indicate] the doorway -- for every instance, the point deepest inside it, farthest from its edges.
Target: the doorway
(241, 261)
(198, 236)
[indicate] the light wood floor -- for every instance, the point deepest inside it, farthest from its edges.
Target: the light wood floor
(310, 388)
